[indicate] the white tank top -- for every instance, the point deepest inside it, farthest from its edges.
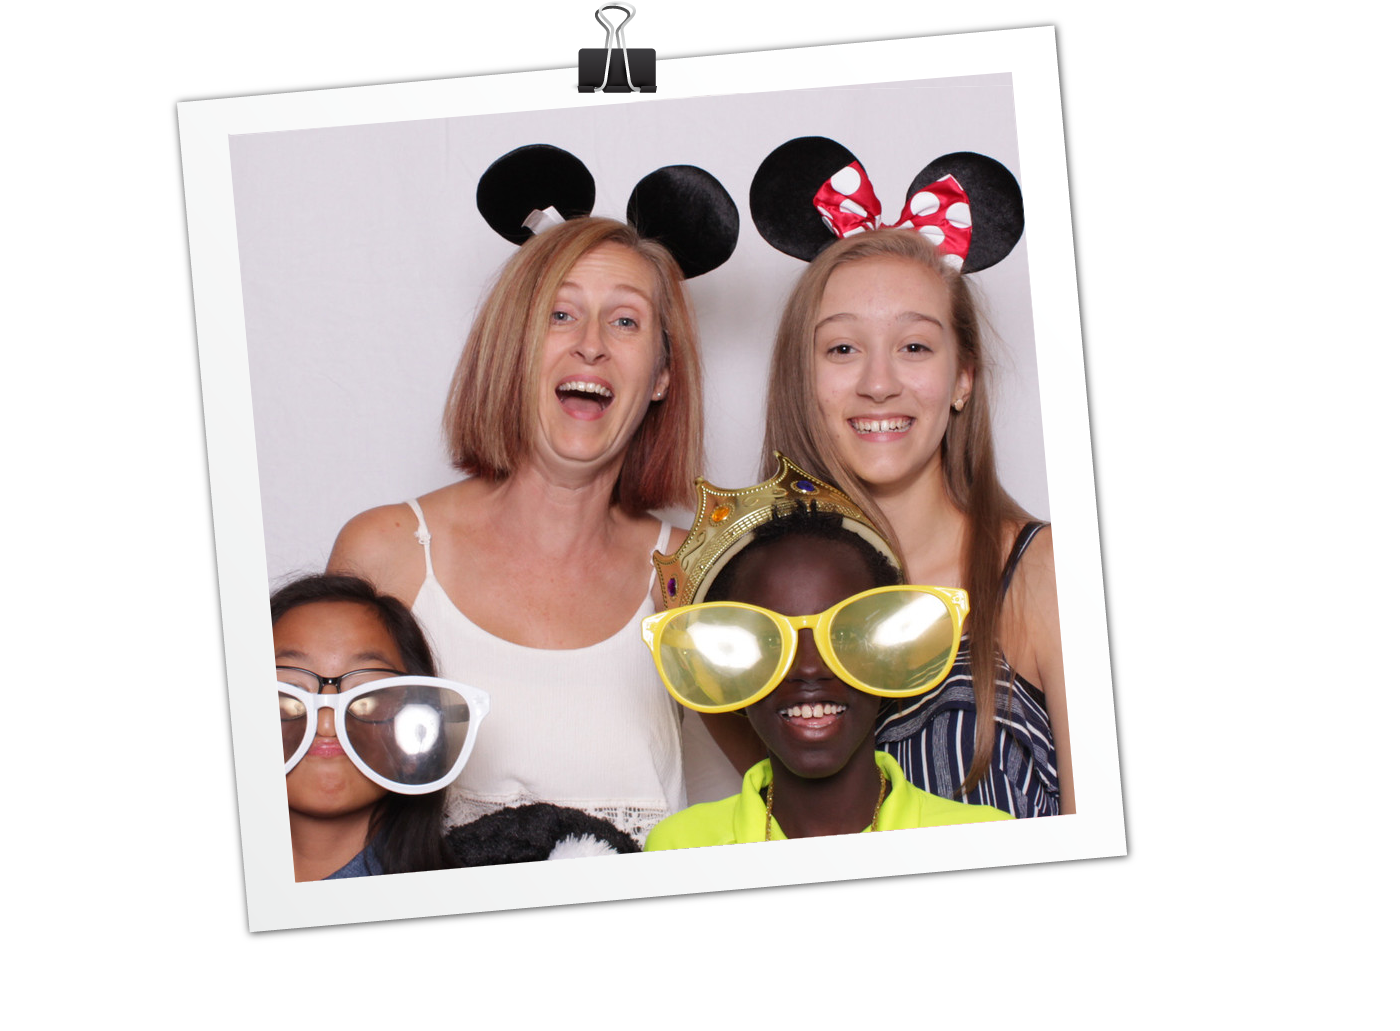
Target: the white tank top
(591, 728)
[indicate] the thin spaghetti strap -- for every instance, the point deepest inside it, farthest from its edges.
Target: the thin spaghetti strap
(662, 539)
(423, 536)
(1023, 541)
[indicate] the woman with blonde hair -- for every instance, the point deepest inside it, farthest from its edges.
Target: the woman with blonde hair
(574, 411)
(879, 384)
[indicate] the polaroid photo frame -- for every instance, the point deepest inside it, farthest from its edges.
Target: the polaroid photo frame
(337, 258)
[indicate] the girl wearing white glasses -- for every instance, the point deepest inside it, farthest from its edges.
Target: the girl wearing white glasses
(370, 737)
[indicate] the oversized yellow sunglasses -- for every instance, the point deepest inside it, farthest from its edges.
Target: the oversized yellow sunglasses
(719, 656)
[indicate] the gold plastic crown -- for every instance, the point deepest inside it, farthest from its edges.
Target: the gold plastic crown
(726, 519)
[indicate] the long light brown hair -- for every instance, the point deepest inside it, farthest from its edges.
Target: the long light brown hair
(796, 428)
(492, 406)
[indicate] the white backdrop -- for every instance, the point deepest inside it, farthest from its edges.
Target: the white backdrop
(363, 257)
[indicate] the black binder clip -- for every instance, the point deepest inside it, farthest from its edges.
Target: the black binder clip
(637, 66)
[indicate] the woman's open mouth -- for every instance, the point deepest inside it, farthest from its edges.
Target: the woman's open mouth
(584, 398)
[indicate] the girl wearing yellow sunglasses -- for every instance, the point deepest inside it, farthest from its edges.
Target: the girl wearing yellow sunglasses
(804, 627)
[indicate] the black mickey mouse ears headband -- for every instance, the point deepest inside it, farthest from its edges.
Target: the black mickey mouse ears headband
(682, 207)
(811, 191)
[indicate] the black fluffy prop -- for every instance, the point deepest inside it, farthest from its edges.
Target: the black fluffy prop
(530, 833)
(781, 194)
(682, 207)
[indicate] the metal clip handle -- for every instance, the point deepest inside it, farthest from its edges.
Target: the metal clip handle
(615, 6)
(616, 34)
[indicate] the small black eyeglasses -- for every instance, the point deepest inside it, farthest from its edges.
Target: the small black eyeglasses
(314, 683)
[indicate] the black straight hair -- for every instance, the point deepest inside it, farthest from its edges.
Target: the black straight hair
(405, 831)
(822, 527)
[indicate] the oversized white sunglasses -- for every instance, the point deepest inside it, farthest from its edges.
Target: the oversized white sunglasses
(408, 734)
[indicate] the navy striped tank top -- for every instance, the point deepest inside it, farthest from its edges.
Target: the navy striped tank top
(933, 736)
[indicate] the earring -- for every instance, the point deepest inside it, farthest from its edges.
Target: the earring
(658, 395)
(958, 404)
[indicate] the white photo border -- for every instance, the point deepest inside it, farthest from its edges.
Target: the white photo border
(274, 900)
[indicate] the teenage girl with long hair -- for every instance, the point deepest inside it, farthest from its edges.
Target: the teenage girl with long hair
(878, 384)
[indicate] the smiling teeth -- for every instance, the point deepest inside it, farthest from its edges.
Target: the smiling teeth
(882, 425)
(584, 386)
(806, 712)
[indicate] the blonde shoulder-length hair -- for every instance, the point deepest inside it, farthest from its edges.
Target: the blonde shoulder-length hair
(796, 428)
(491, 411)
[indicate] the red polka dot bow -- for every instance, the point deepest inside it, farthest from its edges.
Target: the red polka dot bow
(811, 191)
(848, 205)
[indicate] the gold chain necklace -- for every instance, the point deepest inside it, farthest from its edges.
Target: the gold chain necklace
(874, 820)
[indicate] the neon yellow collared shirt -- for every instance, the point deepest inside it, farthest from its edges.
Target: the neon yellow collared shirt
(740, 818)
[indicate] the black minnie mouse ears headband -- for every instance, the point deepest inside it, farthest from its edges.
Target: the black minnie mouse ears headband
(811, 191)
(682, 207)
